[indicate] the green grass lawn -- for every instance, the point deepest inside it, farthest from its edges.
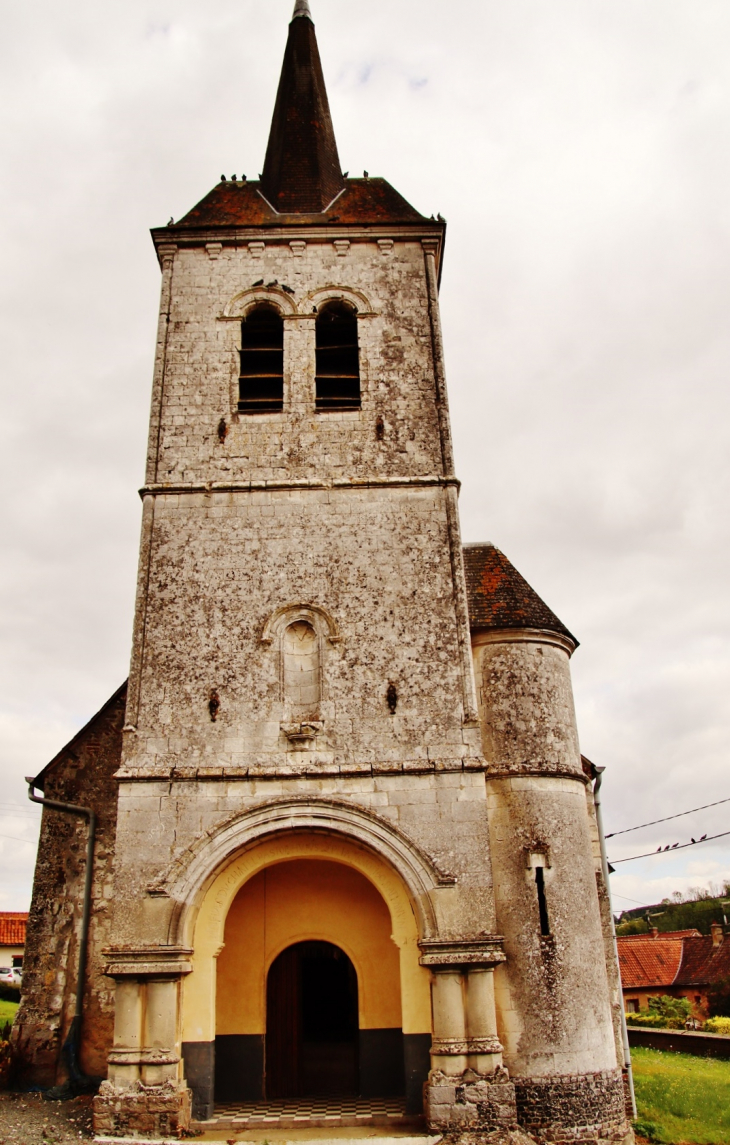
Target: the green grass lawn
(7, 1012)
(681, 1098)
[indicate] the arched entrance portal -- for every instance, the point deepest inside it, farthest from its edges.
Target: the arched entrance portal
(308, 994)
(311, 1022)
(306, 886)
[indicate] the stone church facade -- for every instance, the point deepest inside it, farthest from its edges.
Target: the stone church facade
(345, 840)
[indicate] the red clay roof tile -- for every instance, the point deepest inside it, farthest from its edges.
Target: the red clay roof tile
(702, 963)
(364, 201)
(647, 961)
(499, 597)
(12, 928)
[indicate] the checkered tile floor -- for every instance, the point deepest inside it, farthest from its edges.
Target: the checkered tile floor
(314, 1112)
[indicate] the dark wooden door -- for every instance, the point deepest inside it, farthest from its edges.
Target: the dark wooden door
(311, 1022)
(283, 1024)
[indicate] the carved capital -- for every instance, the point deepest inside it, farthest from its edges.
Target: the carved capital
(148, 962)
(460, 954)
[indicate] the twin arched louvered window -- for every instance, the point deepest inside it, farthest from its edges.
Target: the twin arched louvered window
(337, 366)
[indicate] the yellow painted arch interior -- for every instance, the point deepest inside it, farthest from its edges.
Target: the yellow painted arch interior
(298, 901)
(317, 887)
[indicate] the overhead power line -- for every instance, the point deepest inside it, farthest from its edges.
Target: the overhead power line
(679, 815)
(671, 851)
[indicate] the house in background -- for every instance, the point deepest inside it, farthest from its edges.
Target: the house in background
(12, 937)
(678, 963)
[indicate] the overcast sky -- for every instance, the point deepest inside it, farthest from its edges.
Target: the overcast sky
(580, 151)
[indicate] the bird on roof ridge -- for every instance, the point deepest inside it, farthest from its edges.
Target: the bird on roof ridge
(301, 8)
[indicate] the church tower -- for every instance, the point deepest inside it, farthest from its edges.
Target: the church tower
(339, 866)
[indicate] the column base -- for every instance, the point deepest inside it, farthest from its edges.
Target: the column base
(471, 1101)
(142, 1110)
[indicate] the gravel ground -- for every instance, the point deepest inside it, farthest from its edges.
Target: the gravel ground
(26, 1119)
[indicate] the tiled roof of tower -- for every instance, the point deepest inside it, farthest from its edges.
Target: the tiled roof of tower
(12, 927)
(647, 961)
(363, 201)
(499, 597)
(302, 182)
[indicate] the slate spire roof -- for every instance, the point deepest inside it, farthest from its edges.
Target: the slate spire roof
(302, 172)
(302, 183)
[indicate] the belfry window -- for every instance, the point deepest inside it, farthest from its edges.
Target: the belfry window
(261, 381)
(338, 357)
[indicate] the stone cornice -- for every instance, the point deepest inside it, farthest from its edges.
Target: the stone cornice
(312, 769)
(482, 636)
(278, 234)
(535, 773)
(178, 488)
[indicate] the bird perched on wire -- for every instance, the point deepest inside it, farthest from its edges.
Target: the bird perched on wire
(702, 838)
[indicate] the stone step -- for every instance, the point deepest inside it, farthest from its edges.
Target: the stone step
(289, 1137)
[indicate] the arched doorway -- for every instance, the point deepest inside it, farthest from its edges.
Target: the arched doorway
(311, 1022)
(308, 886)
(308, 987)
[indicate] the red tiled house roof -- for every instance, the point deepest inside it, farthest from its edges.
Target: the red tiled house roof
(649, 962)
(675, 958)
(702, 963)
(12, 928)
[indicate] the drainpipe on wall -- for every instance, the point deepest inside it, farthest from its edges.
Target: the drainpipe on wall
(598, 774)
(78, 1081)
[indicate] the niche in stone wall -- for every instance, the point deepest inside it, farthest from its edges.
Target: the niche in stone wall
(301, 671)
(300, 635)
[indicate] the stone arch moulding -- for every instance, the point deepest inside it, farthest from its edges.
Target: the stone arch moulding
(191, 875)
(341, 293)
(245, 300)
(321, 620)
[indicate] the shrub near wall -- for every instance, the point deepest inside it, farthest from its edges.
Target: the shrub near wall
(718, 1026)
(664, 1013)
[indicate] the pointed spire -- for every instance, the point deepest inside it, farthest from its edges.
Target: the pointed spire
(302, 172)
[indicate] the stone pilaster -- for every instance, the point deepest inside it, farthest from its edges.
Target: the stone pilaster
(145, 1093)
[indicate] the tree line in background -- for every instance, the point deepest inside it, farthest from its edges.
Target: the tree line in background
(696, 910)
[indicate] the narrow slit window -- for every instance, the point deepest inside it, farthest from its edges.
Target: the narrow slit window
(541, 900)
(338, 358)
(261, 381)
